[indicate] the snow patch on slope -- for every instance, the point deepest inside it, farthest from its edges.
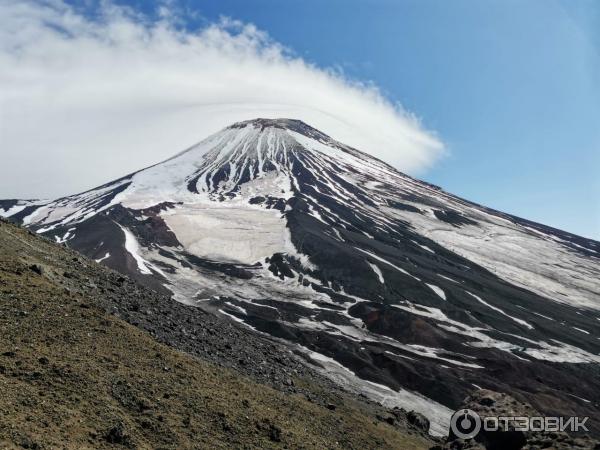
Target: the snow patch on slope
(377, 271)
(132, 246)
(519, 321)
(106, 256)
(438, 414)
(512, 252)
(438, 290)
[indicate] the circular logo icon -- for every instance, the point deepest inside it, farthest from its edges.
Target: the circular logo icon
(465, 423)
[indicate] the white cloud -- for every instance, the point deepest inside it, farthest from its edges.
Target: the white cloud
(83, 101)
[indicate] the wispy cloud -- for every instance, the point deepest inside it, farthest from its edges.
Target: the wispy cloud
(85, 99)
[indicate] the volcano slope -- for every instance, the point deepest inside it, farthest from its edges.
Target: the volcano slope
(398, 289)
(75, 376)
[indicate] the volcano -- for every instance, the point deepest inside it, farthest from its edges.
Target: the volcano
(393, 287)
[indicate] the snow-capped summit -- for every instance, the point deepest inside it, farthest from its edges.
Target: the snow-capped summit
(399, 289)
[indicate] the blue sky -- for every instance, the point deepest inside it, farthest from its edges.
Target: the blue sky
(512, 87)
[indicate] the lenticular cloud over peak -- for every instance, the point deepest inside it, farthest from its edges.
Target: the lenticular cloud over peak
(87, 98)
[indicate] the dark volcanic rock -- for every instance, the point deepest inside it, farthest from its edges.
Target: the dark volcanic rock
(37, 269)
(418, 420)
(510, 434)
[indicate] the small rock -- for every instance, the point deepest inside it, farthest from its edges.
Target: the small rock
(117, 435)
(418, 420)
(29, 444)
(37, 269)
(275, 433)
(487, 401)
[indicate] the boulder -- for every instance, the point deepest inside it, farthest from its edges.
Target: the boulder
(509, 436)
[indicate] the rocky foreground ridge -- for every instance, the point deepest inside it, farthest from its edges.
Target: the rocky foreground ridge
(89, 359)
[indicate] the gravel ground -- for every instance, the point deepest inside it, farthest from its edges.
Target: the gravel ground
(83, 364)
